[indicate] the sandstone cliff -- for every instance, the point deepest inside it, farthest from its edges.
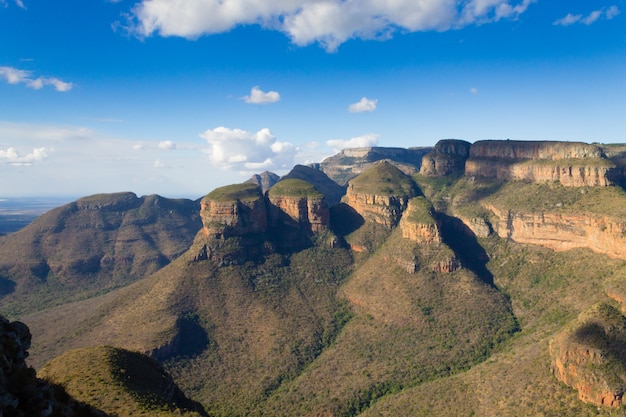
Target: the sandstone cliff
(447, 157)
(381, 194)
(589, 356)
(418, 223)
(297, 202)
(234, 210)
(570, 163)
(561, 231)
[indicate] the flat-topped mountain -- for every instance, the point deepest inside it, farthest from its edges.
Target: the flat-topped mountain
(94, 243)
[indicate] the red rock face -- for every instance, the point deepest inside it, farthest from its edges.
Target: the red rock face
(308, 212)
(536, 150)
(237, 217)
(385, 210)
(578, 173)
(447, 157)
(563, 232)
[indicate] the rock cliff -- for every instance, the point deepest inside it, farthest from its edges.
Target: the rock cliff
(234, 210)
(297, 202)
(381, 194)
(561, 231)
(589, 356)
(572, 164)
(418, 223)
(447, 157)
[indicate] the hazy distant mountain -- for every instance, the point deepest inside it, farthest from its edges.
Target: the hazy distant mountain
(265, 180)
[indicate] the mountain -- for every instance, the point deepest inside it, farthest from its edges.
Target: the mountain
(92, 245)
(487, 280)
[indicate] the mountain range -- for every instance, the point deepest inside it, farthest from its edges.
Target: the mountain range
(482, 278)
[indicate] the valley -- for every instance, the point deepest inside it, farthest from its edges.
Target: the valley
(462, 279)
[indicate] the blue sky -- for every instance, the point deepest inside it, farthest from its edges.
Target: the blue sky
(177, 97)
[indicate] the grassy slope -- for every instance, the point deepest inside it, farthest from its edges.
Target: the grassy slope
(406, 329)
(118, 382)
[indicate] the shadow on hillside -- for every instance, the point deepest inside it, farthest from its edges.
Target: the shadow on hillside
(344, 219)
(463, 242)
(6, 286)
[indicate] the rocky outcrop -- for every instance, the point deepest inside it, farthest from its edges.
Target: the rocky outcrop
(418, 223)
(234, 210)
(560, 231)
(573, 164)
(351, 162)
(589, 356)
(298, 203)
(331, 190)
(447, 157)
(381, 194)
(21, 392)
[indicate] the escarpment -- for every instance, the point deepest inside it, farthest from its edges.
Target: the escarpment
(588, 355)
(381, 194)
(562, 231)
(447, 157)
(573, 164)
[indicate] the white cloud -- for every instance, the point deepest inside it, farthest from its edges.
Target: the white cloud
(363, 105)
(12, 157)
(473, 90)
(364, 141)
(18, 76)
(245, 151)
(257, 96)
(167, 145)
(570, 19)
(327, 22)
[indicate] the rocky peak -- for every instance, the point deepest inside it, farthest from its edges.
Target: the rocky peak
(297, 202)
(331, 190)
(381, 193)
(447, 157)
(265, 180)
(234, 210)
(418, 223)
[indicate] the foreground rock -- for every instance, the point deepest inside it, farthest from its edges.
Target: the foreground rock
(589, 356)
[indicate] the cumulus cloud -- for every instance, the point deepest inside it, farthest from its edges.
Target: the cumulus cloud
(18, 76)
(363, 105)
(607, 13)
(257, 96)
(363, 141)
(12, 157)
(327, 22)
(167, 145)
(246, 151)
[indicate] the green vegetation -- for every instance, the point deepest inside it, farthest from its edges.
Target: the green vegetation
(420, 210)
(384, 179)
(292, 187)
(235, 192)
(119, 382)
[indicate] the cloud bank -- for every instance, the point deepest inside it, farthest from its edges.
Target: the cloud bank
(257, 96)
(246, 151)
(327, 22)
(607, 13)
(363, 105)
(363, 141)
(11, 156)
(18, 76)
